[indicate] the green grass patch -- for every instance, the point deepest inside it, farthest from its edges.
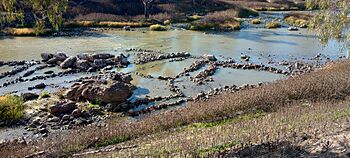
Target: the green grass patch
(341, 114)
(11, 108)
(194, 18)
(111, 141)
(157, 27)
(231, 120)
(45, 95)
(272, 25)
(217, 148)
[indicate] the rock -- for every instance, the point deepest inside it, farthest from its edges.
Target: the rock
(84, 57)
(40, 86)
(76, 113)
(102, 56)
(48, 72)
(245, 57)
(115, 89)
(127, 28)
(28, 73)
(61, 56)
(29, 96)
(69, 62)
(210, 57)
(293, 28)
(100, 63)
(63, 108)
(46, 56)
(83, 64)
(65, 117)
(43, 130)
(53, 119)
(53, 60)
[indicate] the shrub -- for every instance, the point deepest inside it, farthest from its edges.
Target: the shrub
(157, 27)
(11, 108)
(25, 32)
(272, 25)
(256, 21)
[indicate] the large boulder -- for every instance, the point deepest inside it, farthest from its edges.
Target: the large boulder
(100, 63)
(68, 63)
(114, 89)
(29, 96)
(63, 108)
(82, 64)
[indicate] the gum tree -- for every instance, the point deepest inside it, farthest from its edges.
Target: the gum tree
(44, 12)
(147, 5)
(331, 20)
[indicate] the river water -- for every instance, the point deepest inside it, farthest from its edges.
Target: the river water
(262, 45)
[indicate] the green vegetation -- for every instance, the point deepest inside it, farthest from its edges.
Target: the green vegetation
(167, 22)
(328, 23)
(256, 21)
(225, 121)
(45, 95)
(217, 149)
(157, 27)
(342, 113)
(11, 108)
(272, 25)
(111, 141)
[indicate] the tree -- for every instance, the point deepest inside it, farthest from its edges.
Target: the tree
(147, 5)
(43, 11)
(332, 19)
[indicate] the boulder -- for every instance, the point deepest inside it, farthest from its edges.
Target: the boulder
(69, 62)
(46, 56)
(40, 86)
(29, 96)
(63, 108)
(61, 56)
(114, 89)
(84, 57)
(111, 93)
(53, 60)
(100, 63)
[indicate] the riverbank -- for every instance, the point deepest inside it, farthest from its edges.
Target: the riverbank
(319, 89)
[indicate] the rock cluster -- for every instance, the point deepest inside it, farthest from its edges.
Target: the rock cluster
(145, 57)
(85, 62)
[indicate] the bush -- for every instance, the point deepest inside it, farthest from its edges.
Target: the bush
(272, 25)
(45, 95)
(157, 27)
(256, 21)
(11, 108)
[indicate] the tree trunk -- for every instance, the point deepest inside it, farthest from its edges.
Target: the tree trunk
(194, 5)
(146, 11)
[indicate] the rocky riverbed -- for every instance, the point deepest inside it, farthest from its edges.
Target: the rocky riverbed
(94, 89)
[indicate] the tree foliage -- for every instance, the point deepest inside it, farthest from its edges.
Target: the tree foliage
(332, 19)
(44, 12)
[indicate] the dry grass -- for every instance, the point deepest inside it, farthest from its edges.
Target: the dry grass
(256, 21)
(25, 32)
(157, 27)
(300, 20)
(111, 24)
(322, 86)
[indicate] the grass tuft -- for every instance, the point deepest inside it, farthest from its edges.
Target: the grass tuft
(112, 141)
(273, 25)
(256, 21)
(11, 108)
